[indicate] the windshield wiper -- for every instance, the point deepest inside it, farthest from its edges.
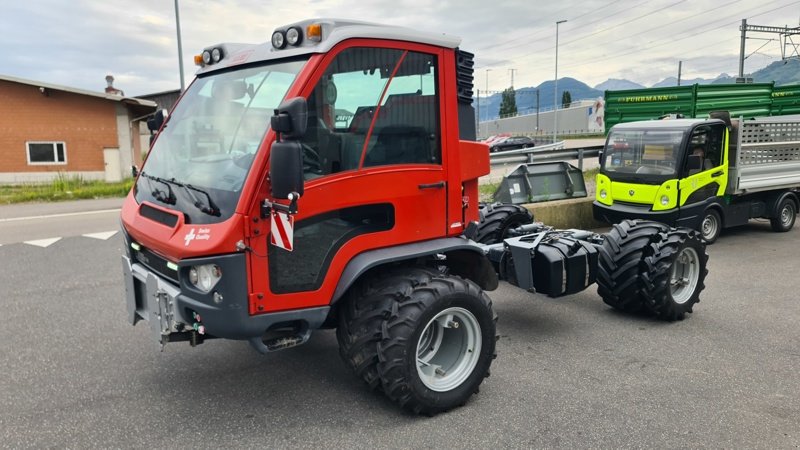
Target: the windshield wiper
(169, 197)
(211, 209)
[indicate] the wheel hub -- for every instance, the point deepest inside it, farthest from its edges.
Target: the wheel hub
(448, 349)
(685, 275)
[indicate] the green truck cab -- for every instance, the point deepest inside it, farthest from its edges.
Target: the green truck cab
(704, 174)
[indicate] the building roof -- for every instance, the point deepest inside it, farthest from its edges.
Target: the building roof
(103, 95)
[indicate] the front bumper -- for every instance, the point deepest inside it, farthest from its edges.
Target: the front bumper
(171, 309)
(686, 216)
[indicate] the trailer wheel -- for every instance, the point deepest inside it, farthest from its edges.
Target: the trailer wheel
(787, 212)
(674, 274)
(497, 219)
(429, 338)
(620, 259)
(711, 226)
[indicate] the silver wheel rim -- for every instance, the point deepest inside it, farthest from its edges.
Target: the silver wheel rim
(685, 274)
(786, 215)
(709, 227)
(448, 349)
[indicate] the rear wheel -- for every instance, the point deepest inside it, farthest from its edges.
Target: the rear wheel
(620, 259)
(711, 226)
(675, 274)
(432, 344)
(787, 213)
(497, 219)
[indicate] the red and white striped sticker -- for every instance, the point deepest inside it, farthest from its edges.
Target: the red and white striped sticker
(282, 230)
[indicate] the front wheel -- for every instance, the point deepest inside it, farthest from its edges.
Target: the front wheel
(433, 338)
(786, 216)
(711, 226)
(674, 274)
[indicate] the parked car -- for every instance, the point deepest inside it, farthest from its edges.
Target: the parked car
(512, 143)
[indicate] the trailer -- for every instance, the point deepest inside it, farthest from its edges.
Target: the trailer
(329, 179)
(705, 174)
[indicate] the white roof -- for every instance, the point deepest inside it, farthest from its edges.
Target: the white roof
(334, 31)
(56, 87)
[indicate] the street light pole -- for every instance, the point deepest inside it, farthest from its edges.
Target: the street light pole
(555, 91)
(180, 49)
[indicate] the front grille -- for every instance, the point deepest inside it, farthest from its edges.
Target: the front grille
(155, 263)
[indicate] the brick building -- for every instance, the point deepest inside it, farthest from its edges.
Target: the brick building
(47, 130)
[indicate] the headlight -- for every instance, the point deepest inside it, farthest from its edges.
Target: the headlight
(664, 200)
(216, 55)
(206, 57)
(603, 194)
(278, 39)
(205, 277)
(294, 36)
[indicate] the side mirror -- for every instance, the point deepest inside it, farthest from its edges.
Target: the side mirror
(695, 162)
(134, 171)
(154, 123)
(286, 169)
(291, 118)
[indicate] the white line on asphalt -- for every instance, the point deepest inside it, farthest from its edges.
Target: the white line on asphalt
(83, 213)
(104, 236)
(44, 243)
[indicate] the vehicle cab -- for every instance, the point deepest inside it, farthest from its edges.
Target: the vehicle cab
(228, 237)
(670, 171)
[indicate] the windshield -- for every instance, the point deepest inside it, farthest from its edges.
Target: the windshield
(205, 150)
(642, 155)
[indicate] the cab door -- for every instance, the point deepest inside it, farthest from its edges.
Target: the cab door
(699, 187)
(374, 168)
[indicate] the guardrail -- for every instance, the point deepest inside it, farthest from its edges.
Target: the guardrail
(549, 152)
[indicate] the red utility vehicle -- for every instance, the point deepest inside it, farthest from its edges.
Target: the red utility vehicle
(329, 179)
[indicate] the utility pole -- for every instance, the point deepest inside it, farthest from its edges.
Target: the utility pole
(478, 116)
(679, 72)
(180, 49)
(537, 111)
(512, 77)
(741, 49)
(555, 92)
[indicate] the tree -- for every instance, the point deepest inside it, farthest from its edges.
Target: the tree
(508, 104)
(566, 99)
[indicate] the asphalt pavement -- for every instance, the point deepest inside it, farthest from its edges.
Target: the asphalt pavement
(571, 372)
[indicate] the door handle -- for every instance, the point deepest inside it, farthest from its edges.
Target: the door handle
(438, 185)
(717, 174)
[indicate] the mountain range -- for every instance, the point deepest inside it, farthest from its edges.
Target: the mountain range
(781, 72)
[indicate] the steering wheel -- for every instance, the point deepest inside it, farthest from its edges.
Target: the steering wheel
(312, 163)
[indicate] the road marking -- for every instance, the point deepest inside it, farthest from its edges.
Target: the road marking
(104, 236)
(50, 216)
(44, 243)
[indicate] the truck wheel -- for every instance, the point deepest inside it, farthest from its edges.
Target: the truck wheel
(429, 337)
(675, 274)
(620, 258)
(361, 315)
(711, 226)
(786, 216)
(497, 219)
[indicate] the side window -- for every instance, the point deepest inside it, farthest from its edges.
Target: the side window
(373, 107)
(706, 142)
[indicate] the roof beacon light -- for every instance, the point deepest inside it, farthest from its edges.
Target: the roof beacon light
(216, 54)
(314, 32)
(278, 39)
(198, 60)
(294, 36)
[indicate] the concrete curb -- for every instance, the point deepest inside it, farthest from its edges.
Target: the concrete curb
(572, 213)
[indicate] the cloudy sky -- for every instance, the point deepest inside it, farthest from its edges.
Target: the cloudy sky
(77, 42)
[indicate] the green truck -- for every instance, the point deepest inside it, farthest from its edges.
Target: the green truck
(705, 174)
(746, 100)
